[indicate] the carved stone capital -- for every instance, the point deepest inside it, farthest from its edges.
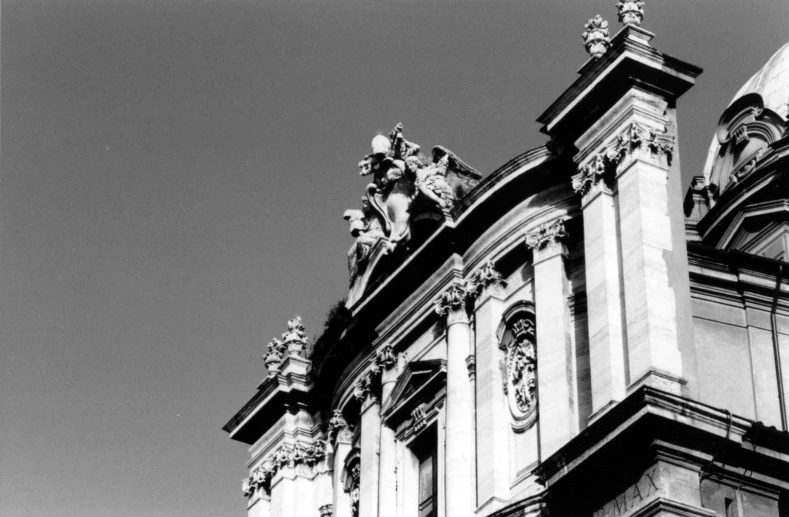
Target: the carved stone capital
(486, 279)
(363, 387)
(596, 37)
(548, 241)
(638, 140)
(385, 359)
(287, 456)
(339, 429)
(452, 303)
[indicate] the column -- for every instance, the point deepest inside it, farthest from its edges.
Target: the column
(556, 370)
(492, 414)
(603, 286)
(387, 485)
(370, 442)
(459, 419)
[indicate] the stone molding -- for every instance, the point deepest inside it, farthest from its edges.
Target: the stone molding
(294, 342)
(287, 456)
(636, 140)
(596, 37)
(471, 365)
(548, 240)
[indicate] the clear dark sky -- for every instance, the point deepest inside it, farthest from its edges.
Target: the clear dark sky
(174, 175)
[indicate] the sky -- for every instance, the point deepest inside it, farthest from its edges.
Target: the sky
(173, 175)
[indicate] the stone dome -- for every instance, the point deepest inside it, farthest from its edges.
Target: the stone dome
(771, 82)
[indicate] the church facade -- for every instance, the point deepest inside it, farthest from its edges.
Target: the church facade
(572, 335)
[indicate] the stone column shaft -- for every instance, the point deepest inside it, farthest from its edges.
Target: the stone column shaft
(556, 364)
(387, 493)
(492, 415)
(369, 459)
(604, 299)
(650, 304)
(459, 423)
(342, 500)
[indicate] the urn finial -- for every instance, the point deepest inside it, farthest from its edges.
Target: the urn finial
(596, 37)
(630, 12)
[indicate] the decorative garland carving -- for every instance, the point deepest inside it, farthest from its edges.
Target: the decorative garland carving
(353, 488)
(287, 456)
(630, 12)
(596, 37)
(637, 138)
(294, 342)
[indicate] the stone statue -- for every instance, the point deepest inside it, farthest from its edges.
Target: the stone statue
(400, 177)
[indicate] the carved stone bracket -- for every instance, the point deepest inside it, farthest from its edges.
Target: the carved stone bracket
(636, 139)
(419, 418)
(630, 12)
(294, 342)
(596, 37)
(287, 456)
(548, 240)
(339, 427)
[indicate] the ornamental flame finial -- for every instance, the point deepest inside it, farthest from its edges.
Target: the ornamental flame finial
(630, 12)
(596, 37)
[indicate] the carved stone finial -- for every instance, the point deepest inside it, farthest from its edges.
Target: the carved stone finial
(596, 37)
(630, 12)
(548, 240)
(293, 342)
(451, 300)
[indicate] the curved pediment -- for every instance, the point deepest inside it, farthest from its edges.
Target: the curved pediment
(745, 131)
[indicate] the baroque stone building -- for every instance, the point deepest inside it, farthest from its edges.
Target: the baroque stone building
(567, 336)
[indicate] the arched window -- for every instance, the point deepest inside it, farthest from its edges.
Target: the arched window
(518, 343)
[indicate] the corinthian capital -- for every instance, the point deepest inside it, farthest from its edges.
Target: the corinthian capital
(548, 240)
(485, 277)
(452, 302)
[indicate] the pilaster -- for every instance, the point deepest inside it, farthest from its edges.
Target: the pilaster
(370, 465)
(386, 361)
(556, 363)
(459, 404)
(492, 416)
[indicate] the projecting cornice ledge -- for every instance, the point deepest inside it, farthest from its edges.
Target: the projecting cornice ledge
(630, 61)
(648, 423)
